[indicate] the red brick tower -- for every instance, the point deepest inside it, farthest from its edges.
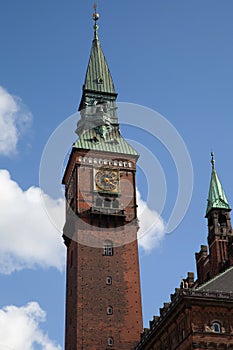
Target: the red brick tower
(103, 300)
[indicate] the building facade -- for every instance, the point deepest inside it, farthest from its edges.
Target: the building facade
(200, 313)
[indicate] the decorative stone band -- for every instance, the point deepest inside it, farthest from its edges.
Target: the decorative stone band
(105, 162)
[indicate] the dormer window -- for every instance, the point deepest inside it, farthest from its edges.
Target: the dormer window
(100, 80)
(216, 327)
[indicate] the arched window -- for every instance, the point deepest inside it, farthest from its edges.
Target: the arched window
(110, 341)
(216, 327)
(109, 310)
(108, 248)
(109, 280)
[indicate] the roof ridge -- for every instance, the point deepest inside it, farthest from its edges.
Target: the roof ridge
(214, 278)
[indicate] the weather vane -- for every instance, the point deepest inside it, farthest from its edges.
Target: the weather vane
(212, 159)
(95, 17)
(95, 14)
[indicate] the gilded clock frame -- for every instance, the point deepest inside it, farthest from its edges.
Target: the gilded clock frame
(106, 190)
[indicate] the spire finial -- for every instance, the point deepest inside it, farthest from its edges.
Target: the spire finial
(95, 18)
(212, 160)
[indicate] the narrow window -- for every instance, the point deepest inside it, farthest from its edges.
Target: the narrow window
(183, 333)
(109, 280)
(222, 220)
(107, 203)
(99, 202)
(115, 204)
(108, 248)
(109, 310)
(71, 258)
(210, 222)
(110, 341)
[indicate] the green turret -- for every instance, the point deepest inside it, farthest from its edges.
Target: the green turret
(217, 198)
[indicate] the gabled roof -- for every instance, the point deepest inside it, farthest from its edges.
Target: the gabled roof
(220, 283)
(217, 198)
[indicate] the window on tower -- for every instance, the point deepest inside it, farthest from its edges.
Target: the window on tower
(108, 248)
(183, 333)
(222, 220)
(107, 203)
(109, 310)
(110, 341)
(109, 280)
(210, 222)
(99, 202)
(115, 204)
(71, 258)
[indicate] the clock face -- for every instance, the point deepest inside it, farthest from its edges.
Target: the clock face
(107, 180)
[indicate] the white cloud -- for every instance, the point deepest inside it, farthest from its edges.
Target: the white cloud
(28, 238)
(20, 328)
(152, 227)
(14, 119)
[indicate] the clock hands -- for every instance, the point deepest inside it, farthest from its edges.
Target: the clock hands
(107, 180)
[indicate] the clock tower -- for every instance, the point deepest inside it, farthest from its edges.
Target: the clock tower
(103, 299)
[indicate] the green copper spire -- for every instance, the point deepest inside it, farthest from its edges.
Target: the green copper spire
(98, 77)
(217, 198)
(98, 128)
(98, 80)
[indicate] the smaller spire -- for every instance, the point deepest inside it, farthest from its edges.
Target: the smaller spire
(217, 198)
(95, 18)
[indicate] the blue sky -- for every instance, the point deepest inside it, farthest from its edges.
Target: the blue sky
(174, 57)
